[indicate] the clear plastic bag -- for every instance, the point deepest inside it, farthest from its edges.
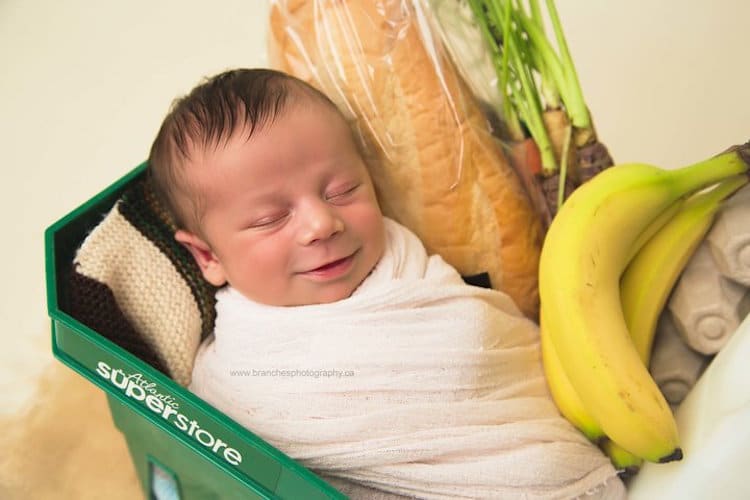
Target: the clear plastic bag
(462, 37)
(435, 163)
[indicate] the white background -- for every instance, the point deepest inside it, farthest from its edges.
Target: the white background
(85, 84)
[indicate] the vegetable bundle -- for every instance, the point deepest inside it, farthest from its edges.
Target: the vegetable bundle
(545, 118)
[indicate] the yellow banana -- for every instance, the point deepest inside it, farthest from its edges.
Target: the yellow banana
(655, 226)
(626, 463)
(564, 394)
(650, 276)
(644, 287)
(586, 250)
(571, 407)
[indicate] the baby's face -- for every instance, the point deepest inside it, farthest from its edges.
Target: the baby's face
(290, 216)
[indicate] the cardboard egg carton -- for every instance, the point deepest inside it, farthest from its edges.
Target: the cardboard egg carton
(708, 303)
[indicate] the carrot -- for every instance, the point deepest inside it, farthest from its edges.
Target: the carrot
(526, 161)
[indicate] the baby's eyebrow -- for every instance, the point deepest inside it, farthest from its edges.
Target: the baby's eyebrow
(264, 194)
(251, 216)
(268, 202)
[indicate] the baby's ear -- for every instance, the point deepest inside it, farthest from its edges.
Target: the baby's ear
(206, 259)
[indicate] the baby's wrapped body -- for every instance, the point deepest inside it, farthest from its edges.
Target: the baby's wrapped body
(417, 385)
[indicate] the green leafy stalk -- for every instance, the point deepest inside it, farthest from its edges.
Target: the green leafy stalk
(564, 167)
(544, 56)
(532, 75)
(548, 85)
(517, 76)
(528, 98)
(577, 109)
(500, 62)
(560, 68)
(539, 82)
(536, 12)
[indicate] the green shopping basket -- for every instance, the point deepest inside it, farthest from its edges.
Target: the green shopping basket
(181, 447)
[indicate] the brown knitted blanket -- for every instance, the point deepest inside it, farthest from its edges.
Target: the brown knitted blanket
(135, 285)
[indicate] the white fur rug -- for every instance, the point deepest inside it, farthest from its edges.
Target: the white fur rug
(65, 446)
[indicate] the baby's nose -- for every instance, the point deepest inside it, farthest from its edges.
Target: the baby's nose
(319, 221)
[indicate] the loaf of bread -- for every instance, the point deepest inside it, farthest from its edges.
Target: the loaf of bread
(436, 166)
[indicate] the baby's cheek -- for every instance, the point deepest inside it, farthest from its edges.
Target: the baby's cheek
(264, 269)
(373, 236)
(374, 220)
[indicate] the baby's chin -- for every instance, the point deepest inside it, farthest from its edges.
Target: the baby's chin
(328, 296)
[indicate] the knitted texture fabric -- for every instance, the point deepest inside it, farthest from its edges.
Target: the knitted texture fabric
(135, 285)
(142, 209)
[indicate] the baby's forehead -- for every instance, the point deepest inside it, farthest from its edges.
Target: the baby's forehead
(299, 101)
(204, 150)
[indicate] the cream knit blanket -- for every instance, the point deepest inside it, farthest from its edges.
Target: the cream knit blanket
(417, 384)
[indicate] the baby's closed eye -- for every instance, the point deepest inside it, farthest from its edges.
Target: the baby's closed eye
(268, 220)
(342, 193)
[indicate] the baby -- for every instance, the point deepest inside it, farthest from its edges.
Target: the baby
(436, 390)
(271, 191)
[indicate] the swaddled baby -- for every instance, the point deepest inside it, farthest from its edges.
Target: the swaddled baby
(337, 338)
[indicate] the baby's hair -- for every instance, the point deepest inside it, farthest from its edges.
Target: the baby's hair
(207, 117)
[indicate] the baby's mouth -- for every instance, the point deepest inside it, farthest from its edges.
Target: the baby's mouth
(332, 269)
(331, 265)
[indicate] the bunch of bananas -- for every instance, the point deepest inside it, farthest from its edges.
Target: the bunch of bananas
(610, 259)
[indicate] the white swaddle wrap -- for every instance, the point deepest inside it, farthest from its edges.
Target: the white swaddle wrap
(417, 384)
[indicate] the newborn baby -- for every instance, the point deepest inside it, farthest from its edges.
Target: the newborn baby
(337, 338)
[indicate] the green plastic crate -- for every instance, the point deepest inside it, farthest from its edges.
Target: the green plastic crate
(182, 447)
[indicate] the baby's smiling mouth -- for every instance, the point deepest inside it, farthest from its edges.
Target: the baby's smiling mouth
(332, 269)
(330, 265)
